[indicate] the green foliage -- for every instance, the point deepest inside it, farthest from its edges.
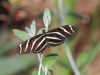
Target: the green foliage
(21, 34)
(5, 44)
(36, 73)
(25, 36)
(65, 65)
(7, 47)
(10, 66)
(47, 18)
(33, 27)
(29, 31)
(82, 59)
(49, 60)
(32, 30)
(15, 64)
(70, 8)
(75, 15)
(87, 57)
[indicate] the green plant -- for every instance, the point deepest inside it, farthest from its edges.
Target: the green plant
(47, 61)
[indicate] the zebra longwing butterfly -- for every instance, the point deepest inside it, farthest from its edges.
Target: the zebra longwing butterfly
(40, 42)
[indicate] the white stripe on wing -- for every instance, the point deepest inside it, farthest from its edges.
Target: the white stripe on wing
(27, 44)
(34, 42)
(71, 28)
(55, 38)
(56, 33)
(64, 30)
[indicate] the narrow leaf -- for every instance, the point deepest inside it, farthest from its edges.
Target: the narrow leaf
(65, 65)
(82, 58)
(33, 27)
(75, 15)
(47, 18)
(21, 34)
(87, 57)
(29, 31)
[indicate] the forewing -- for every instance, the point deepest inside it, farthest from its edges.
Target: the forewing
(34, 45)
(58, 35)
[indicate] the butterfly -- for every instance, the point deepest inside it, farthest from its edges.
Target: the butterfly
(51, 38)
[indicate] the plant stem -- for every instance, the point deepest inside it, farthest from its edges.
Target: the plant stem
(39, 69)
(60, 7)
(40, 56)
(61, 17)
(74, 67)
(46, 71)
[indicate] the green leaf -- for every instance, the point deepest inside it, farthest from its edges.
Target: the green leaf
(75, 15)
(82, 58)
(41, 31)
(47, 18)
(33, 27)
(36, 73)
(87, 57)
(29, 31)
(64, 64)
(21, 34)
(49, 60)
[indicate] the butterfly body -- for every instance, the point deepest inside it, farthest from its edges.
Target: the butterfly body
(53, 37)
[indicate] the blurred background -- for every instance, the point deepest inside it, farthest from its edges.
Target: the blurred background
(84, 45)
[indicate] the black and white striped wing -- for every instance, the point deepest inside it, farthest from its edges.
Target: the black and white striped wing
(58, 35)
(34, 45)
(40, 42)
